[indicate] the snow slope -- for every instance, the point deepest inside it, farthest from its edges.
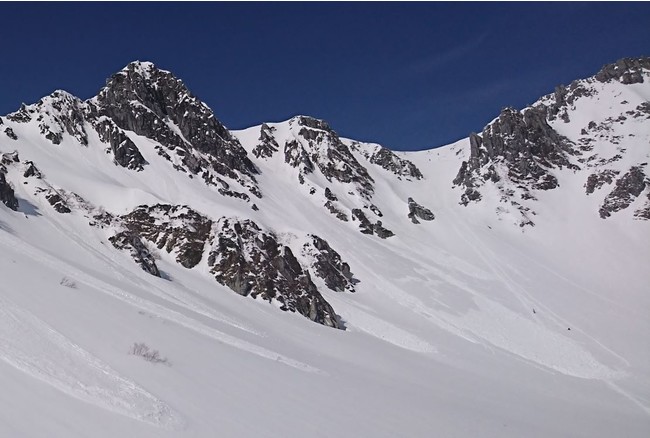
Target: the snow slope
(466, 325)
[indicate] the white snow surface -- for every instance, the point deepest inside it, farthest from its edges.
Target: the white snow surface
(464, 326)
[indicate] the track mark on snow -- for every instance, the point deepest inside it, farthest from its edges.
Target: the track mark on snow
(33, 347)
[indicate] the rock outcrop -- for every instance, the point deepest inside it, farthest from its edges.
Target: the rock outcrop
(626, 71)
(627, 189)
(175, 228)
(390, 161)
(129, 241)
(416, 211)
(328, 265)
(267, 145)
(7, 195)
(320, 147)
(367, 227)
(253, 263)
(154, 103)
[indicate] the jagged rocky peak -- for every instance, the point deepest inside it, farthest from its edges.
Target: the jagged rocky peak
(62, 112)
(626, 70)
(254, 263)
(523, 144)
(154, 103)
(318, 146)
(56, 114)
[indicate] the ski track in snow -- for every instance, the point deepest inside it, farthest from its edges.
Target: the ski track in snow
(379, 328)
(508, 330)
(31, 346)
(150, 307)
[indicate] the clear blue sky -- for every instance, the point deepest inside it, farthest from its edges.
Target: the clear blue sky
(407, 75)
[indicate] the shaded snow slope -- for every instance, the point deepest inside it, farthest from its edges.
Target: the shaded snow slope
(462, 324)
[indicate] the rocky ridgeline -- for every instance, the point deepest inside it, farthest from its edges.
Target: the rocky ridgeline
(317, 146)
(518, 151)
(157, 105)
(154, 104)
(390, 161)
(626, 71)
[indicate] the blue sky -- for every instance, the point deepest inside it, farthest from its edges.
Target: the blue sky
(407, 75)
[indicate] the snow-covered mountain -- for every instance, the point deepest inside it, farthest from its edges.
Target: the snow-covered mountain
(165, 276)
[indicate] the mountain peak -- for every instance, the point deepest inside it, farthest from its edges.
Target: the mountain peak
(140, 81)
(156, 104)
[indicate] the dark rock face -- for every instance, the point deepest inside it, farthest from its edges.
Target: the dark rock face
(7, 195)
(329, 195)
(10, 133)
(626, 71)
(417, 211)
(328, 265)
(31, 170)
(57, 202)
(627, 189)
(267, 145)
(387, 159)
(61, 113)
(23, 115)
(598, 179)
(526, 143)
(382, 232)
(331, 207)
(367, 227)
(524, 147)
(126, 240)
(296, 156)
(172, 227)
(155, 104)
(332, 157)
(252, 262)
(125, 152)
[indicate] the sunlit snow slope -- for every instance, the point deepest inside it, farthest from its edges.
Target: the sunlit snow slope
(396, 294)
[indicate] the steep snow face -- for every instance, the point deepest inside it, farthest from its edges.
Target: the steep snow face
(316, 282)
